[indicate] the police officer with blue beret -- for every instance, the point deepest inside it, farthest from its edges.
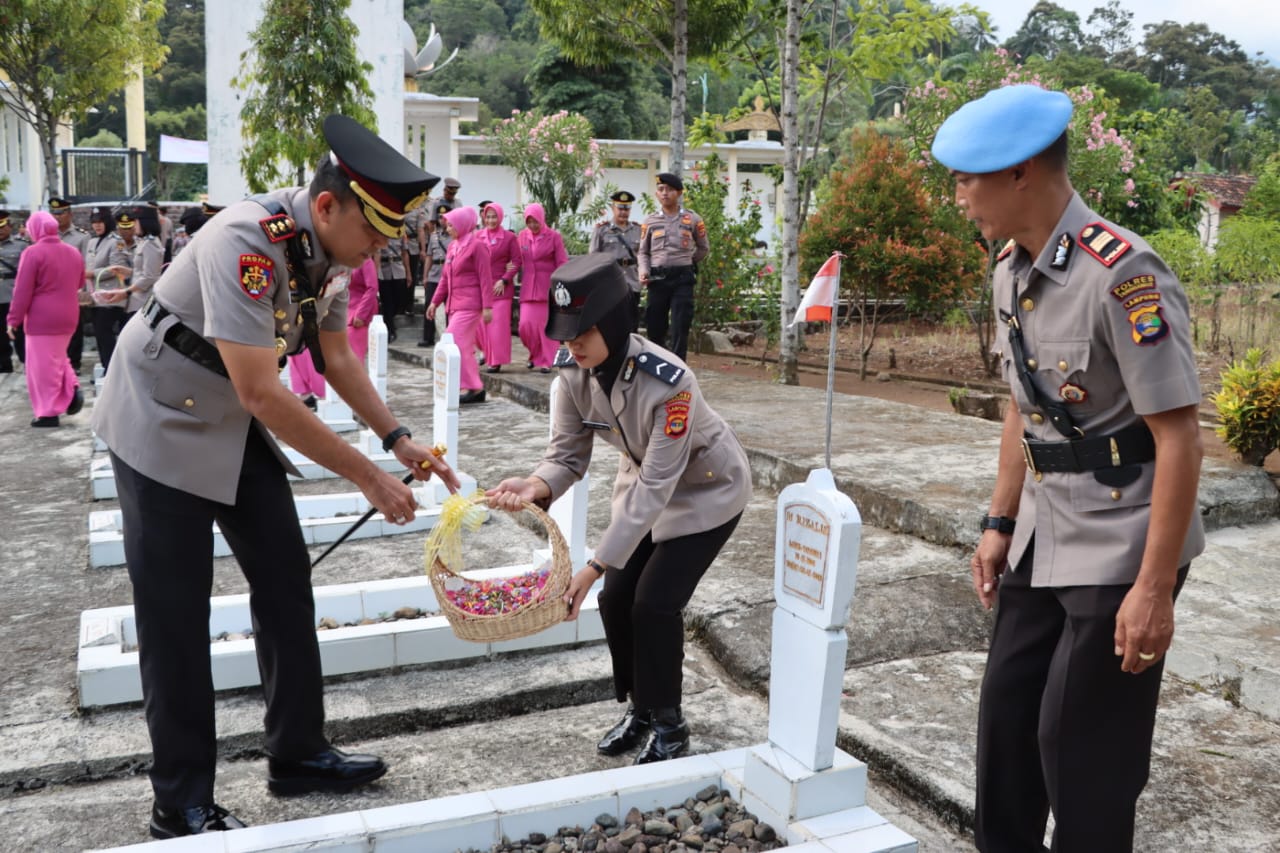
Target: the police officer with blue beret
(1093, 522)
(189, 414)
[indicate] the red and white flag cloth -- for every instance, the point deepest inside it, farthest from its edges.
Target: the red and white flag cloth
(819, 299)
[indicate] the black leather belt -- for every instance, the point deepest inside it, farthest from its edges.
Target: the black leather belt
(659, 273)
(627, 262)
(1129, 446)
(185, 341)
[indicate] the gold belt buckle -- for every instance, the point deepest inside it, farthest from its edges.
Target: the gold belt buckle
(1030, 460)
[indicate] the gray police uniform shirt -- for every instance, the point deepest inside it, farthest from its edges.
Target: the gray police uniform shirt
(148, 261)
(679, 240)
(180, 423)
(622, 244)
(681, 468)
(78, 237)
(10, 251)
(1108, 327)
(391, 260)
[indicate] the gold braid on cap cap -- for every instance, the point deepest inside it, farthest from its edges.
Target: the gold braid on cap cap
(4, 220)
(383, 219)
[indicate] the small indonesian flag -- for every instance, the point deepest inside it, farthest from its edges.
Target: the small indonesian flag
(818, 300)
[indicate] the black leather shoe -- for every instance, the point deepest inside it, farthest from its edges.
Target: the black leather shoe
(77, 402)
(331, 770)
(668, 736)
(310, 402)
(475, 396)
(626, 734)
(47, 421)
(172, 823)
(494, 368)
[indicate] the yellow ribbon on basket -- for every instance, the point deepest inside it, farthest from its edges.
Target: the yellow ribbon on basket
(445, 540)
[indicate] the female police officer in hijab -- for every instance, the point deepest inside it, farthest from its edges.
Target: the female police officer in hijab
(682, 483)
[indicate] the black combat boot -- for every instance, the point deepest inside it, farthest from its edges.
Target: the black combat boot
(668, 736)
(626, 734)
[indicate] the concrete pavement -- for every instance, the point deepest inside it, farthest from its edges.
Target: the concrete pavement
(917, 635)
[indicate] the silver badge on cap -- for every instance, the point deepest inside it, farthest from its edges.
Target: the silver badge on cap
(562, 295)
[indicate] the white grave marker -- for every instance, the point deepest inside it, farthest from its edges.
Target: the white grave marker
(377, 355)
(446, 364)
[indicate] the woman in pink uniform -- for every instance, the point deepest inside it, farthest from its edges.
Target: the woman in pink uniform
(362, 304)
(504, 259)
(44, 303)
(541, 251)
(466, 289)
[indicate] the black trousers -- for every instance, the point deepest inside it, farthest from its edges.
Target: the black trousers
(672, 295)
(168, 542)
(1059, 725)
(6, 345)
(428, 325)
(75, 346)
(391, 295)
(635, 311)
(642, 607)
(108, 320)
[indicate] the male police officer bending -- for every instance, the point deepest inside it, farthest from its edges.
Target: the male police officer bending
(188, 414)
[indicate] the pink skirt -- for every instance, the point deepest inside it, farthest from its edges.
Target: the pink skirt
(303, 378)
(51, 383)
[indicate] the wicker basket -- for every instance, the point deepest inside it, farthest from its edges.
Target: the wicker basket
(529, 619)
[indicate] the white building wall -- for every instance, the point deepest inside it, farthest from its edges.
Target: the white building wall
(227, 37)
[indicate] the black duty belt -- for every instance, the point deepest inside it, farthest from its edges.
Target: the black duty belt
(660, 273)
(1130, 446)
(185, 341)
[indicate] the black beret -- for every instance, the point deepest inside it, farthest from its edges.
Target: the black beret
(583, 290)
(622, 197)
(387, 184)
(671, 180)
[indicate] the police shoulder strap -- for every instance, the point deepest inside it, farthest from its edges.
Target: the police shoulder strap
(280, 227)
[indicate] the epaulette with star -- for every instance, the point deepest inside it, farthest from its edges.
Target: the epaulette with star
(1106, 245)
(278, 228)
(659, 368)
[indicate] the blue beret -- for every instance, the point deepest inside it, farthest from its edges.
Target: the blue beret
(1001, 129)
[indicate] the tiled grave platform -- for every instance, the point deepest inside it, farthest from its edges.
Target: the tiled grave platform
(107, 674)
(482, 819)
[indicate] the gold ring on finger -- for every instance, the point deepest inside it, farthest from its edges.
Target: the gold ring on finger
(1147, 656)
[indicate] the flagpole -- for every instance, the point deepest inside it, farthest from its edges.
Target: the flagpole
(831, 361)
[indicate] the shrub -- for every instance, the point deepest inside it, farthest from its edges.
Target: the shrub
(554, 155)
(1249, 407)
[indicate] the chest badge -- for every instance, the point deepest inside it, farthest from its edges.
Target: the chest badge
(1072, 393)
(255, 274)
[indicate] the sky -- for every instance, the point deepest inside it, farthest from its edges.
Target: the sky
(1252, 24)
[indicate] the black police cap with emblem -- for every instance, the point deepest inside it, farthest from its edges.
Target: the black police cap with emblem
(4, 218)
(671, 180)
(124, 219)
(59, 205)
(582, 291)
(210, 209)
(387, 184)
(622, 197)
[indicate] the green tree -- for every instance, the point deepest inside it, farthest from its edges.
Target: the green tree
(301, 66)
(554, 155)
(616, 98)
(1047, 31)
(1192, 263)
(897, 241)
(1111, 32)
(1264, 199)
(1248, 256)
(64, 56)
(671, 31)
(492, 68)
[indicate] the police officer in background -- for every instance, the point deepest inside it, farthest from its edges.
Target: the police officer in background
(672, 241)
(1094, 520)
(11, 247)
(620, 237)
(72, 235)
(189, 414)
(683, 481)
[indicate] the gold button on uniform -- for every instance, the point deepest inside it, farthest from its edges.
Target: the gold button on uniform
(1032, 364)
(188, 402)
(1028, 304)
(280, 315)
(1037, 418)
(1062, 365)
(710, 474)
(1115, 494)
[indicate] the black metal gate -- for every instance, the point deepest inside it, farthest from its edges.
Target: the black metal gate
(105, 174)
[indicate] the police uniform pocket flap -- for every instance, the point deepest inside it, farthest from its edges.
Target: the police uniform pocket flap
(206, 400)
(1063, 358)
(1089, 494)
(706, 465)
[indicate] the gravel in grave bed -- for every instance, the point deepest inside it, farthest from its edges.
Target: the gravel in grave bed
(710, 821)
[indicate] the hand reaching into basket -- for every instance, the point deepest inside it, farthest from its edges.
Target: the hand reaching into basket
(512, 492)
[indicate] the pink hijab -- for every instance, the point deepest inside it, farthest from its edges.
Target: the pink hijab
(496, 208)
(462, 220)
(42, 225)
(538, 213)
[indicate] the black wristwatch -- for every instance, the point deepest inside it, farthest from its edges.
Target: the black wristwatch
(1000, 523)
(389, 441)
(595, 564)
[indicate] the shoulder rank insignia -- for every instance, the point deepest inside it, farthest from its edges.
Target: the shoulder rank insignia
(1104, 244)
(659, 367)
(563, 358)
(1062, 252)
(677, 414)
(278, 228)
(255, 274)
(1004, 253)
